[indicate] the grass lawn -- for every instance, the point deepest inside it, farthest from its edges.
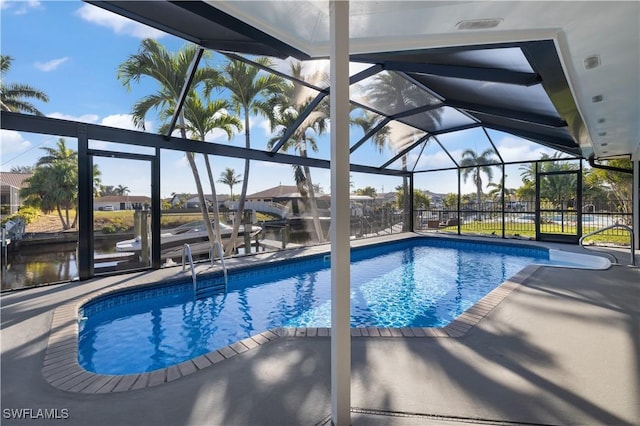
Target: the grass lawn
(528, 230)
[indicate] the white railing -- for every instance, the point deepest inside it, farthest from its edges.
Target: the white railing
(615, 225)
(262, 206)
(224, 266)
(186, 253)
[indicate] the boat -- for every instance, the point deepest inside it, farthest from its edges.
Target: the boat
(188, 233)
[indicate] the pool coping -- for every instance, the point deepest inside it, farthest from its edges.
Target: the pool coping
(62, 370)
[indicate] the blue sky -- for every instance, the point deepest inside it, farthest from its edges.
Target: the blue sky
(71, 50)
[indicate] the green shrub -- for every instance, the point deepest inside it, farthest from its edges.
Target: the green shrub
(109, 229)
(28, 214)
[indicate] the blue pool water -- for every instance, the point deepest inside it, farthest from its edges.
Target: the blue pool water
(421, 282)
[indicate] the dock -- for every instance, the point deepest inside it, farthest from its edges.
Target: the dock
(113, 257)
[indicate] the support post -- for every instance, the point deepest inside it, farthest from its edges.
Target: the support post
(144, 237)
(85, 206)
(4, 247)
(247, 231)
(340, 218)
(156, 206)
(137, 227)
(635, 197)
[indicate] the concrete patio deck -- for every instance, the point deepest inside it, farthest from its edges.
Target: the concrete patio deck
(562, 348)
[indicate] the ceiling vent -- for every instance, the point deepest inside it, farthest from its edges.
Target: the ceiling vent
(478, 24)
(592, 61)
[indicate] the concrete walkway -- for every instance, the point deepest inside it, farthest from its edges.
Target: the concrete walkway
(563, 348)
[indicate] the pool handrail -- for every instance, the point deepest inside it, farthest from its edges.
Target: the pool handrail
(606, 228)
(224, 267)
(186, 252)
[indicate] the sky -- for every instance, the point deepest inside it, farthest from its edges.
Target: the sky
(71, 50)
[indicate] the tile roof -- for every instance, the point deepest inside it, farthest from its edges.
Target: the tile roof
(14, 179)
(276, 191)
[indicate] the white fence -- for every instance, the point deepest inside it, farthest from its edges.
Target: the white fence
(262, 207)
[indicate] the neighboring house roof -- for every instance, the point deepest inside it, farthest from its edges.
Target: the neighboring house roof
(194, 197)
(124, 199)
(183, 196)
(355, 197)
(279, 191)
(15, 180)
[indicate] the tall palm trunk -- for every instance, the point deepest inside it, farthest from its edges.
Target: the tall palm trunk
(243, 191)
(75, 218)
(406, 201)
(196, 178)
(65, 224)
(312, 198)
(216, 209)
(478, 181)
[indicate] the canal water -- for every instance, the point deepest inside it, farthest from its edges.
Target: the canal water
(42, 264)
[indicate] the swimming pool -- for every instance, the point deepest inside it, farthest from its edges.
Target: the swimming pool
(419, 282)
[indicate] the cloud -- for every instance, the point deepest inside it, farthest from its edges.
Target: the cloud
(51, 65)
(261, 123)
(513, 149)
(20, 7)
(86, 118)
(217, 136)
(435, 160)
(181, 162)
(120, 121)
(118, 24)
(123, 121)
(12, 142)
(276, 165)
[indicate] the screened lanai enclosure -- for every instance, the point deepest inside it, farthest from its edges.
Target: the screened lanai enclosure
(493, 134)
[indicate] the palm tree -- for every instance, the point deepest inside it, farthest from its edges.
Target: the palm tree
(22, 169)
(368, 190)
(618, 185)
(121, 190)
(12, 95)
(390, 91)
(52, 187)
(559, 188)
(249, 88)
(106, 190)
(200, 120)
(288, 106)
(474, 164)
(230, 178)
(54, 184)
(528, 176)
(60, 153)
(60, 166)
(556, 188)
(496, 191)
(170, 72)
(450, 200)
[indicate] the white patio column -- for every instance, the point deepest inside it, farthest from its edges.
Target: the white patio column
(635, 163)
(340, 251)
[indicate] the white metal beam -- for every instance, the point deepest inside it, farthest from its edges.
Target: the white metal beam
(340, 245)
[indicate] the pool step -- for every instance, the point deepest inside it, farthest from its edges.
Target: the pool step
(213, 289)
